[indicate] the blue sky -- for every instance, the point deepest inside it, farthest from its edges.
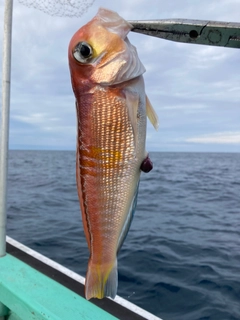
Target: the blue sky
(194, 89)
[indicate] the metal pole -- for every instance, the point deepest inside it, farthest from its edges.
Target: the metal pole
(4, 133)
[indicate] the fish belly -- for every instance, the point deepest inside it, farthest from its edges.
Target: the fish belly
(108, 172)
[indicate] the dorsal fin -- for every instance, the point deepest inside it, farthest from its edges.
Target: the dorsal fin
(152, 116)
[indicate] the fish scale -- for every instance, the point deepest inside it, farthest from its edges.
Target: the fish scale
(111, 146)
(108, 182)
(107, 81)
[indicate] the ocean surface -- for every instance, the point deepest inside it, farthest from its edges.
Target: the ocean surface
(181, 258)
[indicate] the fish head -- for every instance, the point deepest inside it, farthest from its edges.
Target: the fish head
(100, 52)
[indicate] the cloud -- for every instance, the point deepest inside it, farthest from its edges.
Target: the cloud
(219, 138)
(35, 118)
(194, 89)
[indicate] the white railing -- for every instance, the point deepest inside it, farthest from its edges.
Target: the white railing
(4, 133)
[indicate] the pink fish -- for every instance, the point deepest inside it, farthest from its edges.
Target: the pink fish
(111, 103)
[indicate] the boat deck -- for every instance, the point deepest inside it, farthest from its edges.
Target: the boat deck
(34, 287)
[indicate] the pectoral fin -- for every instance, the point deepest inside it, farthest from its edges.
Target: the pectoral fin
(132, 100)
(152, 116)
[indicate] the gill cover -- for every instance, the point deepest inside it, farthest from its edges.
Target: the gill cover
(102, 44)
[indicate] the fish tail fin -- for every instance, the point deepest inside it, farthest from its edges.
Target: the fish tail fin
(101, 280)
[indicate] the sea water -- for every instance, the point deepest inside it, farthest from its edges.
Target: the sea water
(181, 258)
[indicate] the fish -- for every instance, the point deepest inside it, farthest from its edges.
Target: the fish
(112, 106)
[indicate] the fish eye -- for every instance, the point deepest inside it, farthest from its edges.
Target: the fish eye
(82, 52)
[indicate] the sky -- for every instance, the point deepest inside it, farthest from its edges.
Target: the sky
(194, 89)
